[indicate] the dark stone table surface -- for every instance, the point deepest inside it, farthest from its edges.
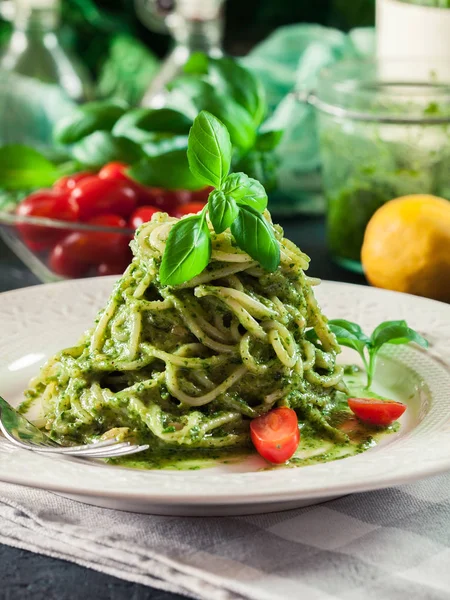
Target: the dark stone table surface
(28, 576)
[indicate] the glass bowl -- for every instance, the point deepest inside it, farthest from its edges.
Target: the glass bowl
(56, 250)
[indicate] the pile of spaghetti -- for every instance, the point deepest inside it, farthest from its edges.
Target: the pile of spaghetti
(191, 365)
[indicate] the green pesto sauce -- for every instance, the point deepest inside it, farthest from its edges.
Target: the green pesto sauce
(314, 448)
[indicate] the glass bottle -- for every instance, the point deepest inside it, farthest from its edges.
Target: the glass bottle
(195, 25)
(34, 49)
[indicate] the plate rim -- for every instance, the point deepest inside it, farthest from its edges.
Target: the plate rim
(261, 496)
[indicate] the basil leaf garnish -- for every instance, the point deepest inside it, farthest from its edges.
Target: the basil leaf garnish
(188, 249)
(222, 210)
(255, 236)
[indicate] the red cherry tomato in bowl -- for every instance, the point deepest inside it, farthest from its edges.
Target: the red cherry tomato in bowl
(114, 170)
(276, 435)
(68, 182)
(95, 196)
(142, 215)
(190, 207)
(80, 250)
(375, 411)
(50, 204)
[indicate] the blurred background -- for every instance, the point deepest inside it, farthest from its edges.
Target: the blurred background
(337, 107)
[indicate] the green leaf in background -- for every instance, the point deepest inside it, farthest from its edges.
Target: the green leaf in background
(101, 147)
(246, 190)
(255, 236)
(22, 167)
(262, 166)
(230, 78)
(209, 149)
(197, 64)
(128, 70)
(170, 171)
(236, 118)
(222, 210)
(396, 332)
(187, 252)
(161, 120)
(160, 143)
(94, 116)
(268, 140)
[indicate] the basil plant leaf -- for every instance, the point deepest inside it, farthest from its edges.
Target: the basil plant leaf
(255, 236)
(93, 116)
(351, 327)
(162, 120)
(169, 170)
(246, 190)
(268, 140)
(22, 167)
(209, 149)
(396, 332)
(187, 252)
(232, 79)
(222, 210)
(102, 147)
(347, 338)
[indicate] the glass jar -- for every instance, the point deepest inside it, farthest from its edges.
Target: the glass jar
(384, 130)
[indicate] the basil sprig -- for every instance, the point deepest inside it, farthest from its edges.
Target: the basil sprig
(389, 332)
(236, 203)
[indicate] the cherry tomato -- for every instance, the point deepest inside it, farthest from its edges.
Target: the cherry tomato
(276, 435)
(50, 204)
(95, 196)
(142, 215)
(186, 209)
(70, 181)
(376, 412)
(164, 200)
(112, 268)
(64, 261)
(114, 170)
(76, 253)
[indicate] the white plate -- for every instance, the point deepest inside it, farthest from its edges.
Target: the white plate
(35, 322)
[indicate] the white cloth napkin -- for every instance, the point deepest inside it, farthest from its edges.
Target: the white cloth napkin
(391, 544)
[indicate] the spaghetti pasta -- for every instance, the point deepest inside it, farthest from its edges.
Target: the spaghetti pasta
(191, 365)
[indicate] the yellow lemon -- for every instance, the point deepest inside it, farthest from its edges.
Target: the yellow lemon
(406, 246)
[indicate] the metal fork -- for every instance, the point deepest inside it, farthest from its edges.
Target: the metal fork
(18, 430)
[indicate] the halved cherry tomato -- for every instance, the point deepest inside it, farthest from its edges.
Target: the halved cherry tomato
(68, 182)
(51, 204)
(276, 435)
(190, 207)
(95, 196)
(376, 412)
(142, 215)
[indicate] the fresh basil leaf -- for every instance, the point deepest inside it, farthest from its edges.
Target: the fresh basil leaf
(268, 140)
(222, 210)
(163, 120)
(246, 190)
(396, 332)
(170, 171)
(209, 149)
(347, 338)
(255, 236)
(351, 327)
(94, 116)
(22, 167)
(101, 147)
(187, 251)
(232, 79)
